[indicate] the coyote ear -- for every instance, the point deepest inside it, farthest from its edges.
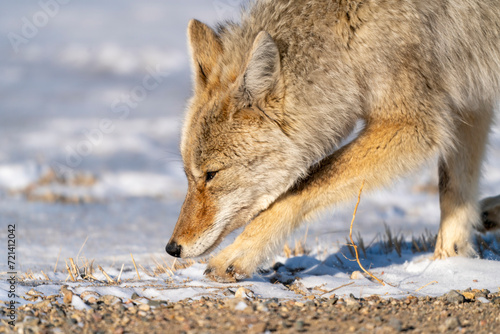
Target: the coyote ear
(261, 75)
(205, 48)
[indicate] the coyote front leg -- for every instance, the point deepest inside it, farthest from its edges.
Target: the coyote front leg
(383, 151)
(459, 171)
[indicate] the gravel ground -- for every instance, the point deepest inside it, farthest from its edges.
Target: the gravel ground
(456, 312)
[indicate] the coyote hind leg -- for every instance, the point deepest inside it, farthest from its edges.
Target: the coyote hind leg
(490, 216)
(459, 172)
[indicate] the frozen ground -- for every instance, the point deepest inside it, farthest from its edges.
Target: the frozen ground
(100, 89)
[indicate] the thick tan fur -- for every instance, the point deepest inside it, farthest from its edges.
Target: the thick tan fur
(277, 93)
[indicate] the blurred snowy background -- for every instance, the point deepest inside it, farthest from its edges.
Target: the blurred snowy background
(96, 91)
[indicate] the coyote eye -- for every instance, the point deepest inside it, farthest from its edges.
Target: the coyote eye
(210, 176)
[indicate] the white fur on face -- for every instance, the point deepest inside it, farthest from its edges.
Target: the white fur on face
(227, 207)
(228, 211)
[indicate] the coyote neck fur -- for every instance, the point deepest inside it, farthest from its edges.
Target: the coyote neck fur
(337, 70)
(311, 65)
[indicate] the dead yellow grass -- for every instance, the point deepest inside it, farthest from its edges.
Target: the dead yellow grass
(298, 250)
(353, 245)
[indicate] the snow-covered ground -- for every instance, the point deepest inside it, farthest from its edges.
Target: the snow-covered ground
(99, 88)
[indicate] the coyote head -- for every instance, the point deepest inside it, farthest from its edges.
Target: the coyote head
(236, 147)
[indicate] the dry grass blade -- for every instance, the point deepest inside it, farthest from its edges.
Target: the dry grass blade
(353, 254)
(167, 267)
(425, 243)
(135, 266)
(69, 271)
(398, 245)
(341, 263)
(389, 244)
(147, 271)
(339, 287)
(352, 241)
(300, 248)
(361, 244)
(91, 268)
(78, 255)
(75, 268)
(433, 282)
(120, 274)
(29, 275)
(160, 268)
(45, 275)
(287, 251)
(415, 248)
(57, 261)
(110, 280)
(93, 278)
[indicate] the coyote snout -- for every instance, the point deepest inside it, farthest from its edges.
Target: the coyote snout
(275, 95)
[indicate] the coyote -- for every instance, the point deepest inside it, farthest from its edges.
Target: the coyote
(275, 95)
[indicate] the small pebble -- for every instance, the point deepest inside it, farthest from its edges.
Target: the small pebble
(455, 297)
(258, 328)
(310, 303)
(31, 321)
(262, 308)
(68, 296)
(154, 303)
(469, 295)
(110, 299)
(240, 306)
(299, 325)
(451, 323)
(356, 275)
(119, 330)
(353, 304)
(396, 324)
(333, 301)
(46, 304)
(243, 293)
(144, 307)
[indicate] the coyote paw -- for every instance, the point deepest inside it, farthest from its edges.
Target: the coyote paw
(228, 274)
(225, 272)
(229, 267)
(449, 248)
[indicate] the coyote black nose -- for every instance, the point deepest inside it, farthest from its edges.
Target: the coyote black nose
(174, 249)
